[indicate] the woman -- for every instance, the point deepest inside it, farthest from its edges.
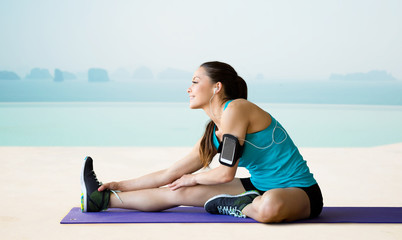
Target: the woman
(281, 187)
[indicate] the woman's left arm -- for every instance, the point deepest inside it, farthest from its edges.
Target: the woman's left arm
(234, 121)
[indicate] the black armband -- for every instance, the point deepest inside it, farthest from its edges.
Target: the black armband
(230, 150)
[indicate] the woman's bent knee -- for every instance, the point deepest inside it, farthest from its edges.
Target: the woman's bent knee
(271, 211)
(282, 205)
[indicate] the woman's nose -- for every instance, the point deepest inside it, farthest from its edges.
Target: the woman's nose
(189, 90)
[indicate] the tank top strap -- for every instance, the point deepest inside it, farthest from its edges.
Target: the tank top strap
(214, 138)
(226, 104)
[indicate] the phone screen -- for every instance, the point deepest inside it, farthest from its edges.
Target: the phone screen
(228, 151)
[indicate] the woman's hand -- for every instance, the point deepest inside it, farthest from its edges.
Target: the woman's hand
(112, 186)
(185, 181)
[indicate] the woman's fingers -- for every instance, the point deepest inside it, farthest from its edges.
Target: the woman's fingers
(177, 184)
(174, 185)
(111, 186)
(103, 187)
(185, 181)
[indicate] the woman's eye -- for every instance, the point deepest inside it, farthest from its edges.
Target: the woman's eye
(194, 82)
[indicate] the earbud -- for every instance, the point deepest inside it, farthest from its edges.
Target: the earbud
(215, 89)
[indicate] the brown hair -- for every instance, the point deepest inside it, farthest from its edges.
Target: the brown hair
(234, 87)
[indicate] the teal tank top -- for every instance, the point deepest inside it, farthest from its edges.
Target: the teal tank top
(278, 166)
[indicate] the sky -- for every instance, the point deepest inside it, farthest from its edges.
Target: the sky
(294, 39)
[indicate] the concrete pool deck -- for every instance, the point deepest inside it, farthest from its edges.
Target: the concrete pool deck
(41, 184)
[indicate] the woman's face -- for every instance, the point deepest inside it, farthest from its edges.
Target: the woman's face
(201, 89)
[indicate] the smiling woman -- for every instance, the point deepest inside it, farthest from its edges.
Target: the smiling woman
(209, 79)
(281, 186)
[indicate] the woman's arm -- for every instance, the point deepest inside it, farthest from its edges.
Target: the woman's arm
(189, 164)
(219, 175)
(234, 121)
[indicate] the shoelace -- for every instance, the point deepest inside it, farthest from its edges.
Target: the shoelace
(232, 211)
(113, 191)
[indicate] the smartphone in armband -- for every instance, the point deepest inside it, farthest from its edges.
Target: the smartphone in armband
(230, 150)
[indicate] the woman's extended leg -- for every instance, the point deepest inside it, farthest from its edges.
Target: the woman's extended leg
(279, 205)
(157, 199)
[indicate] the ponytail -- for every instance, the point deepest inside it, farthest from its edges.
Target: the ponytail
(207, 149)
(241, 87)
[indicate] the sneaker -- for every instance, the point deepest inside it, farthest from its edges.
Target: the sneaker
(230, 205)
(91, 199)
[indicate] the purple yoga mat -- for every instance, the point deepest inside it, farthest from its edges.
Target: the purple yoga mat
(198, 215)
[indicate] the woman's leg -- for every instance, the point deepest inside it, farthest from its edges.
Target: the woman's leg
(279, 205)
(157, 199)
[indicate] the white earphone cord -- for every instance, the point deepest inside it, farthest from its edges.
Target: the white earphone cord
(273, 132)
(273, 138)
(210, 104)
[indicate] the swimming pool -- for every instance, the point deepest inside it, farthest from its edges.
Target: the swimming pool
(174, 124)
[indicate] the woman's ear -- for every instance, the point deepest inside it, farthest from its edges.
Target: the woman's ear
(218, 87)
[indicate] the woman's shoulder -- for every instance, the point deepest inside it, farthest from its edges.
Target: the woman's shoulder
(238, 108)
(242, 109)
(240, 104)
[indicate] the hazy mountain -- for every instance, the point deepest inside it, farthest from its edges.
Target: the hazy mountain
(143, 73)
(97, 75)
(39, 73)
(60, 76)
(7, 75)
(120, 74)
(68, 75)
(173, 74)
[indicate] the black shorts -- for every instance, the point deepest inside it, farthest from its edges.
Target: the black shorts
(313, 193)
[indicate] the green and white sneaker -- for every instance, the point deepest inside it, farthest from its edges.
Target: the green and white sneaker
(229, 204)
(91, 199)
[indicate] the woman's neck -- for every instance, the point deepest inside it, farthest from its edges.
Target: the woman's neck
(214, 110)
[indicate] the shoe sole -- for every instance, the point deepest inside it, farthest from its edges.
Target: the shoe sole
(232, 196)
(84, 196)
